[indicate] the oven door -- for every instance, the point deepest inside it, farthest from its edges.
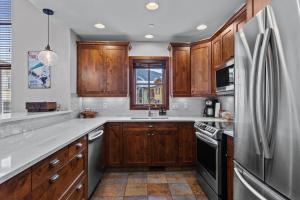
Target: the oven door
(209, 161)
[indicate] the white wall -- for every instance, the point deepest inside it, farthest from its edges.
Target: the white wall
(149, 49)
(29, 33)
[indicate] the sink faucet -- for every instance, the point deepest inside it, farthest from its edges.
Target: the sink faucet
(150, 113)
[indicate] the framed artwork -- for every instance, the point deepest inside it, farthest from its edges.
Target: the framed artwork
(38, 74)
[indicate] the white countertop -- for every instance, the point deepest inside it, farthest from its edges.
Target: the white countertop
(20, 152)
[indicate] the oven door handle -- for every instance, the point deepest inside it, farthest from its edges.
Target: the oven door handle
(207, 139)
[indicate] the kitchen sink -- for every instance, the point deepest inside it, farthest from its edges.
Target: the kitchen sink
(147, 118)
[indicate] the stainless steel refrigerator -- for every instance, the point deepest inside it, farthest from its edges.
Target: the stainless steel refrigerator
(267, 104)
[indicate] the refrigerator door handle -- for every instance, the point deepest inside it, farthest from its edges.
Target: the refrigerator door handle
(260, 98)
(247, 185)
(253, 81)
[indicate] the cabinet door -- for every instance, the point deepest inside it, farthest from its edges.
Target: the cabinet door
(136, 147)
(114, 144)
(181, 71)
(254, 6)
(227, 37)
(216, 49)
(230, 152)
(187, 144)
(240, 21)
(91, 72)
(17, 188)
(116, 63)
(164, 147)
(201, 69)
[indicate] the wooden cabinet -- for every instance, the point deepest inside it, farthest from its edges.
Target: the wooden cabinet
(240, 21)
(180, 70)
(136, 146)
(187, 143)
(201, 69)
(216, 59)
(53, 178)
(230, 154)
(102, 69)
(254, 6)
(227, 38)
(114, 144)
(17, 188)
(164, 147)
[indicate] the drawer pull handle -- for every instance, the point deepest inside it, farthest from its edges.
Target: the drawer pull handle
(54, 178)
(79, 186)
(78, 145)
(54, 163)
(79, 156)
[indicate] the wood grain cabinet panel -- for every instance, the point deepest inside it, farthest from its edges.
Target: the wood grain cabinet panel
(102, 69)
(216, 57)
(114, 144)
(254, 6)
(187, 144)
(227, 38)
(180, 70)
(164, 147)
(17, 188)
(201, 69)
(136, 147)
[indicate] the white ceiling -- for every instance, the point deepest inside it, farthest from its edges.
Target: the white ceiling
(174, 21)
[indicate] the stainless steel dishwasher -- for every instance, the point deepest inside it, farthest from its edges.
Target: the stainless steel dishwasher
(95, 158)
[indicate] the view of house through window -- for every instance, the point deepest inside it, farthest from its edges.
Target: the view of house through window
(5, 56)
(149, 83)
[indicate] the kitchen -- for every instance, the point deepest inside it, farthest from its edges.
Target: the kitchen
(149, 104)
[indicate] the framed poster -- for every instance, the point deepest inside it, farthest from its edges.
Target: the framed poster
(38, 74)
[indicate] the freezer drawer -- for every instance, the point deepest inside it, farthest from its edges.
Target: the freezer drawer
(248, 187)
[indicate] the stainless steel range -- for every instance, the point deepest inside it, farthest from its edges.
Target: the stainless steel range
(211, 161)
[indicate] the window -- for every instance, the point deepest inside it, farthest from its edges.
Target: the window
(5, 56)
(149, 82)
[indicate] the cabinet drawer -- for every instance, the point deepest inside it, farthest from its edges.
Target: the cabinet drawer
(78, 190)
(77, 147)
(17, 188)
(44, 169)
(150, 126)
(57, 184)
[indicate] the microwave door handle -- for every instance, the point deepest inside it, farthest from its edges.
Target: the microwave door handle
(252, 89)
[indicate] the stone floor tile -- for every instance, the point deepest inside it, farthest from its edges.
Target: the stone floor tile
(186, 197)
(159, 197)
(113, 190)
(136, 190)
(180, 189)
(158, 189)
(156, 178)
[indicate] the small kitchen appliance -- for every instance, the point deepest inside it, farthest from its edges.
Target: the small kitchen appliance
(209, 110)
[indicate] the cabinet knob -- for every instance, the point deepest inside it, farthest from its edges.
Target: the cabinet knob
(150, 126)
(149, 134)
(78, 145)
(79, 156)
(54, 178)
(54, 163)
(78, 187)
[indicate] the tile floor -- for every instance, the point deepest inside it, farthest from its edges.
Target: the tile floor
(151, 185)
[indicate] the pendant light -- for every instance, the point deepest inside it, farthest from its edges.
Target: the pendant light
(48, 57)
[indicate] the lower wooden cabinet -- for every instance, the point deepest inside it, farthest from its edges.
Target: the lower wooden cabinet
(17, 188)
(150, 144)
(59, 176)
(230, 154)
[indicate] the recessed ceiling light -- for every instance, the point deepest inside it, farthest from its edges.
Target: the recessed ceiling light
(99, 25)
(152, 5)
(151, 25)
(149, 36)
(201, 27)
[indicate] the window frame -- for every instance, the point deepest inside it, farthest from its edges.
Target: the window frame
(132, 81)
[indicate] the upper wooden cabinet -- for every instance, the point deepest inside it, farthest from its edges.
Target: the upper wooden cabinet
(254, 6)
(201, 69)
(216, 59)
(240, 21)
(180, 70)
(102, 69)
(227, 38)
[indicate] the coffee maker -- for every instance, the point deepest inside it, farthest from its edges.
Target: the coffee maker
(209, 110)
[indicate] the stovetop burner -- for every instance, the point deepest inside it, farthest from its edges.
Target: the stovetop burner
(213, 129)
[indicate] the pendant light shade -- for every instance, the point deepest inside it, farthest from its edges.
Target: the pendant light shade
(48, 57)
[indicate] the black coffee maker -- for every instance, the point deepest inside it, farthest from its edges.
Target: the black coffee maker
(209, 110)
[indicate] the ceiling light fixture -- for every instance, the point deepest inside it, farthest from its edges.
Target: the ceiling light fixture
(152, 5)
(151, 25)
(149, 36)
(201, 27)
(99, 26)
(48, 57)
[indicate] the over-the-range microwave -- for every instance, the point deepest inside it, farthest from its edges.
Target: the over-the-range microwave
(225, 77)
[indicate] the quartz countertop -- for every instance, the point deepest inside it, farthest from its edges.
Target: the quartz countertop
(19, 152)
